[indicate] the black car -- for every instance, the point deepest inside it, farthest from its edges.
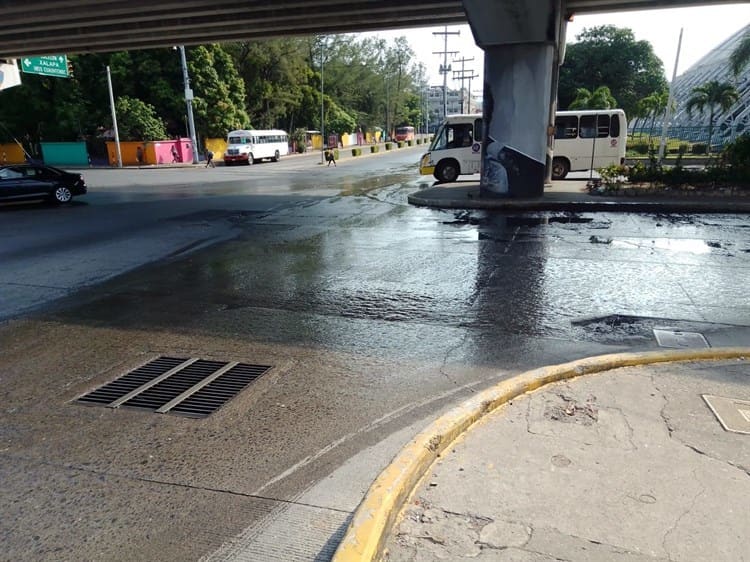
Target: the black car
(30, 181)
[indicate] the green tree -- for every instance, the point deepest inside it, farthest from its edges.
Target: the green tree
(740, 57)
(655, 105)
(601, 98)
(714, 96)
(137, 120)
(610, 56)
(219, 103)
(275, 73)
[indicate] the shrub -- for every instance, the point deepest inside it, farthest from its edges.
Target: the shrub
(356, 152)
(388, 145)
(639, 148)
(700, 148)
(374, 148)
(613, 176)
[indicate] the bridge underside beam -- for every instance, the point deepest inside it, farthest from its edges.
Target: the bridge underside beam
(78, 26)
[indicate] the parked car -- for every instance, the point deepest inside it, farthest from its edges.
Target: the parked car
(29, 181)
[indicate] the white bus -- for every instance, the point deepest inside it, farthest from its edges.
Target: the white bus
(582, 138)
(456, 149)
(248, 147)
(588, 139)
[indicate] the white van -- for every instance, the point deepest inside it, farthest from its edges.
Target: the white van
(588, 140)
(456, 148)
(250, 146)
(584, 140)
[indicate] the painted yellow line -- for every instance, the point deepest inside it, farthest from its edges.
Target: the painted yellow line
(375, 516)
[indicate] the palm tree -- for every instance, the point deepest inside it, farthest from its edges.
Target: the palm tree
(601, 98)
(655, 105)
(712, 95)
(740, 57)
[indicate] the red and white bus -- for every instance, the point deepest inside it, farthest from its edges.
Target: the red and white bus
(404, 134)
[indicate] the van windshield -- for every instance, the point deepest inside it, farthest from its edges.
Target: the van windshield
(453, 135)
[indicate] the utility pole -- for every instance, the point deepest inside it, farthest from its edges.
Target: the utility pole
(670, 101)
(445, 67)
(114, 119)
(322, 104)
(189, 102)
(462, 75)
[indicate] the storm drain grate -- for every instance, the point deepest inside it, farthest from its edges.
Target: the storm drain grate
(188, 387)
(668, 337)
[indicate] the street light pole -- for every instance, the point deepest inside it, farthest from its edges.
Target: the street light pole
(114, 119)
(322, 107)
(189, 102)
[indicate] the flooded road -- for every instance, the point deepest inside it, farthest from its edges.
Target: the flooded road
(374, 316)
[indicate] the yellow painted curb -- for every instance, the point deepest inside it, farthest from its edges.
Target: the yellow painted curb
(376, 514)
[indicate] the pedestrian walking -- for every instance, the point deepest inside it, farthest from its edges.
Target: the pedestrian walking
(174, 154)
(139, 155)
(210, 159)
(330, 158)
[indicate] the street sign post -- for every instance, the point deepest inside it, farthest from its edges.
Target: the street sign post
(50, 65)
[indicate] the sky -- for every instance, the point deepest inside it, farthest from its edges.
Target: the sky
(704, 28)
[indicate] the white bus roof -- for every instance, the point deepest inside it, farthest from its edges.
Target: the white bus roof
(589, 111)
(257, 132)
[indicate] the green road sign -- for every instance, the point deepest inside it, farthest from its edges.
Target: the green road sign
(50, 65)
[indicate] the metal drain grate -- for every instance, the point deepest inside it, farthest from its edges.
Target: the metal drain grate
(668, 337)
(188, 387)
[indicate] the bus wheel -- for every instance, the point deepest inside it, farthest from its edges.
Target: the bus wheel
(276, 156)
(250, 159)
(447, 171)
(560, 168)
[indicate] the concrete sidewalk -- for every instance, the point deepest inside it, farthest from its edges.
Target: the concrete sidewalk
(572, 195)
(628, 463)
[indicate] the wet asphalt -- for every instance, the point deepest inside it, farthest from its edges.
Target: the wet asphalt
(372, 313)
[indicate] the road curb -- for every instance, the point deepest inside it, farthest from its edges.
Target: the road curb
(548, 203)
(376, 514)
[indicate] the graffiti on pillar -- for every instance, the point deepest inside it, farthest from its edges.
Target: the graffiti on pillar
(516, 105)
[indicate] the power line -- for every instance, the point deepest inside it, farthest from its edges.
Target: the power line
(445, 67)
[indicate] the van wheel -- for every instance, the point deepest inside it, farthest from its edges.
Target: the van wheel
(447, 171)
(560, 168)
(276, 156)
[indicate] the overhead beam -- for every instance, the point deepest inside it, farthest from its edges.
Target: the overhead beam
(81, 26)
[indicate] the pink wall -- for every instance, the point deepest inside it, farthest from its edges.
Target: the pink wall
(163, 151)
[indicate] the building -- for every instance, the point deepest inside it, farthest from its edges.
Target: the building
(713, 66)
(454, 102)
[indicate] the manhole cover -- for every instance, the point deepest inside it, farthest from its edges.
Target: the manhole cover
(188, 387)
(676, 338)
(733, 414)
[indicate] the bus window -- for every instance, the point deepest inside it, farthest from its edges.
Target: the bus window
(566, 127)
(614, 127)
(603, 126)
(588, 126)
(478, 130)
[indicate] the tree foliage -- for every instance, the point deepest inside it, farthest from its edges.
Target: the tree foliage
(137, 120)
(740, 57)
(610, 56)
(714, 97)
(601, 98)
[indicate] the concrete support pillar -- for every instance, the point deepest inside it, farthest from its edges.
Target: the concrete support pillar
(521, 42)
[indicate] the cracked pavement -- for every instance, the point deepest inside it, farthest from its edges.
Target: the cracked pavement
(629, 466)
